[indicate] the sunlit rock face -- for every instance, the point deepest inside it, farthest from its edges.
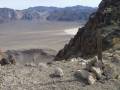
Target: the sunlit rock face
(41, 13)
(106, 20)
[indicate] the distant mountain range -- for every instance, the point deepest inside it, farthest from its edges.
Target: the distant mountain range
(75, 13)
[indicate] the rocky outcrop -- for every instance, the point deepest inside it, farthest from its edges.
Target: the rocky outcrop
(6, 15)
(106, 21)
(32, 56)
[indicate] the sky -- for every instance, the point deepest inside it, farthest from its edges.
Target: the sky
(23, 4)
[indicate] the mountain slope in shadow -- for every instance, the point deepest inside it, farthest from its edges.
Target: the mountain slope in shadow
(106, 20)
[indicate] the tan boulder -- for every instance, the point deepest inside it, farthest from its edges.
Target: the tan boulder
(97, 71)
(58, 72)
(84, 74)
(91, 63)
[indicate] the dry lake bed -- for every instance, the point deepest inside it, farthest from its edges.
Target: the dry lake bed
(36, 34)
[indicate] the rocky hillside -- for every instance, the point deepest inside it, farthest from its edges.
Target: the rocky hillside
(106, 21)
(42, 76)
(27, 56)
(75, 13)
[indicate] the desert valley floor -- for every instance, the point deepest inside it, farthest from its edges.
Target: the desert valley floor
(35, 34)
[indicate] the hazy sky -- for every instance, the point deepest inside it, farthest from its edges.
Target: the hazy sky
(21, 4)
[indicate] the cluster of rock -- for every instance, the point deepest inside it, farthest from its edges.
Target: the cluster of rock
(107, 21)
(94, 70)
(62, 74)
(91, 70)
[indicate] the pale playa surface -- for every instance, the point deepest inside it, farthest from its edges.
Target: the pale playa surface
(27, 35)
(72, 31)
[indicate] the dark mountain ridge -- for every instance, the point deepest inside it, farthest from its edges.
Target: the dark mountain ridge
(105, 20)
(41, 13)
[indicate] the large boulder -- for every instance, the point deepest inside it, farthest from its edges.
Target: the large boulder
(85, 75)
(58, 72)
(97, 71)
(4, 61)
(90, 63)
(7, 59)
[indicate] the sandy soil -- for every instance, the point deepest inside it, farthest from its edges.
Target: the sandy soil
(26, 35)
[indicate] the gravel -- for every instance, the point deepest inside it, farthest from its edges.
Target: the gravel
(20, 77)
